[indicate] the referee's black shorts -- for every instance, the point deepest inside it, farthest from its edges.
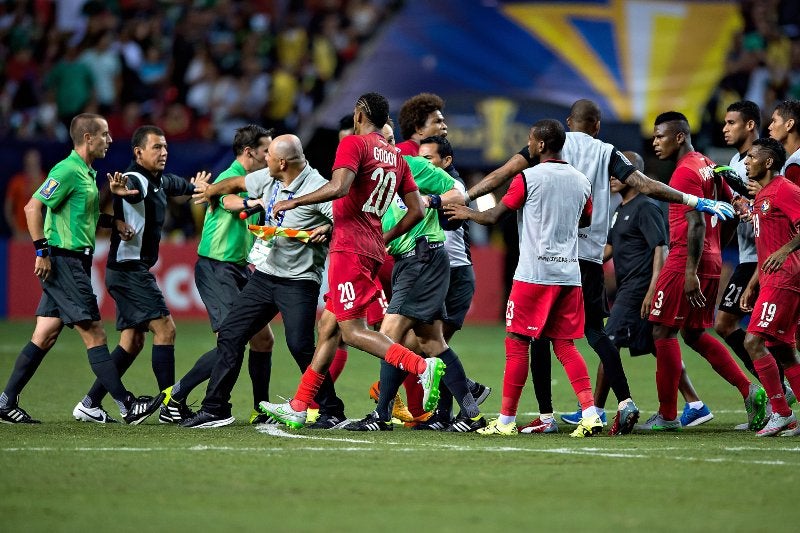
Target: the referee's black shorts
(732, 292)
(626, 328)
(459, 295)
(419, 289)
(219, 284)
(137, 296)
(67, 293)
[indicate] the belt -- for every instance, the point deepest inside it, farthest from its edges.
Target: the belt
(78, 254)
(412, 253)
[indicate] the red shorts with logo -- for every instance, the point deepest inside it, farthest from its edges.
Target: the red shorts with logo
(554, 311)
(353, 285)
(774, 315)
(671, 308)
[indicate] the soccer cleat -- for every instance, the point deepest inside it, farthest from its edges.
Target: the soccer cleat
(16, 415)
(694, 417)
(466, 425)
(312, 415)
(429, 379)
(437, 421)
(625, 419)
(257, 417)
(204, 419)
(399, 409)
(789, 394)
(480, 392)
(659, 423)
(744, 426)
(589, 426)
(283, 413)
(756, 404)
(371, 422)
(537, 425)
(494, 427)
(573, 419)
(142, 407)
(326, 421)
(424, 417)
(777, 424)
(791, 432)
(98, 415)
(174, 411)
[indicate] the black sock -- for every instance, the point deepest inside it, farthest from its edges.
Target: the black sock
(199, 373)
(541, 374)
(446, 400)
(28, 360)
(391, 379)
(123, 361)
(612, 363)
(106, 371)
(164, 364)
(736, 341)
(456, 380)
(259, 364)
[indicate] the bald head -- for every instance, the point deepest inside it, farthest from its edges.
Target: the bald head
(584, 116)
(635, 159)
(289, 148)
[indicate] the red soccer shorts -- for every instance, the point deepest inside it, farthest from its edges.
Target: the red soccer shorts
(671, 308)
(353, 285)
(555, 311)
(775, 315)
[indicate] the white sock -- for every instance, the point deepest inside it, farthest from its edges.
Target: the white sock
(600, 411)
(589, 412)
(507, 419)
(696, 405)
(545, 417)
(623, 403)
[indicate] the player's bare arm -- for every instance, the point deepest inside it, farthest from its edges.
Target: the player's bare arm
(498, 177)
(775, 261)
(35, 220)
(748, 298)
(415, 213)
(485, 218)
(694, 248)
(337, 187)
(659, 256)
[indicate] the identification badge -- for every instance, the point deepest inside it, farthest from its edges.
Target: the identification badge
(259, 252)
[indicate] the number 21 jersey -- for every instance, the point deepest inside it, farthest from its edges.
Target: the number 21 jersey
(380, 173)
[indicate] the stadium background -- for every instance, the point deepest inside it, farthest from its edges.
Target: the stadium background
(499, 66)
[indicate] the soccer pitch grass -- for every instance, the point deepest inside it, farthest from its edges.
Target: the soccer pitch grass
(65, 475)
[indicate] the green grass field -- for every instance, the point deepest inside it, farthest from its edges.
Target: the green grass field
(64, 475)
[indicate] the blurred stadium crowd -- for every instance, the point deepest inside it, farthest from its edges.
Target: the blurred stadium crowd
(197, 68)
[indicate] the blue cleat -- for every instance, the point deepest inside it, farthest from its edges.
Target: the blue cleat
(694, 417)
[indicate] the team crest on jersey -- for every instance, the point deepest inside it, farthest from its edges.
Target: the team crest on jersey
(765, 205)
(48, 188)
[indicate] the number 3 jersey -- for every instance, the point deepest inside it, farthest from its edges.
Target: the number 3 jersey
(380, 173)
(776, 214)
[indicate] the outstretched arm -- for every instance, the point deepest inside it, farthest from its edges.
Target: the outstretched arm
(662, 191)
(338, 187)
(498, 177)
(485, 218)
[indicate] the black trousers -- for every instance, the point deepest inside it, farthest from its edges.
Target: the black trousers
(260, 301)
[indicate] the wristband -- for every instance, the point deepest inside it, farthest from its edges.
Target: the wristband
(106, 220)
(43, 252)
(467, 199)
(41, 244)
(689, 199)
(435, 201)
(244, 202)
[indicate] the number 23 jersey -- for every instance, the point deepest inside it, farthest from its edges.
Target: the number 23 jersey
(380, 173)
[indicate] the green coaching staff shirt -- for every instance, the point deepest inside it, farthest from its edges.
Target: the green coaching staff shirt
(431, 180)
(73, 208)
(225, 236)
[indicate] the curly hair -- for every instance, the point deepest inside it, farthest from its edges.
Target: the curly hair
(415, 112)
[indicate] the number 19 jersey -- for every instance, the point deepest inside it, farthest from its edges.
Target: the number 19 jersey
(380, 173)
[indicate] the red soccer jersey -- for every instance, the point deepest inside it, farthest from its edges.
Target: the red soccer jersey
(409, 147)
(695, 175)
(776, 214)
(380, 173)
